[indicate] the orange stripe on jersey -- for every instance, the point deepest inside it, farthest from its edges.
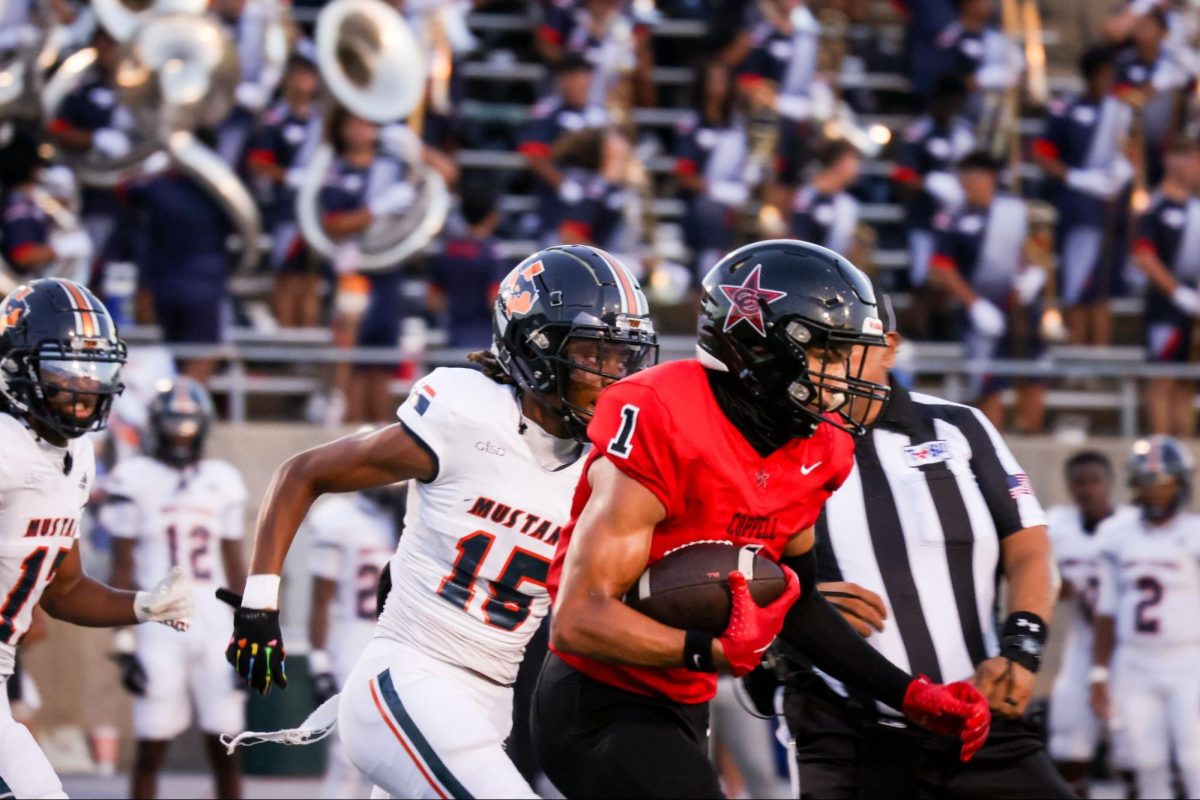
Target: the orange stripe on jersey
(420, 767)
(88, 324)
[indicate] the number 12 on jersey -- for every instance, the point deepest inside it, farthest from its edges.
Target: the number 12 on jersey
(506, 606)
(31, 569)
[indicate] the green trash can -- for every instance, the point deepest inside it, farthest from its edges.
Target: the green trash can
(282, 709)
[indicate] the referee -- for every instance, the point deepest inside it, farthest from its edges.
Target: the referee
(935, 509)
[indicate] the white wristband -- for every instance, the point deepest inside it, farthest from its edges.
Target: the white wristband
(1098, 674)
(262, 591)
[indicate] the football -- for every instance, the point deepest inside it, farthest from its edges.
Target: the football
(689, 587)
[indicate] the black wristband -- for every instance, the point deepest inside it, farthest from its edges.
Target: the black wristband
(1023, 639)
(697, 651)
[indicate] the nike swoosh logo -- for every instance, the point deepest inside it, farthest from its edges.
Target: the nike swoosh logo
(807, 468)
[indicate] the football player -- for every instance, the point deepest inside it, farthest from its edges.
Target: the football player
(1074, 728)
(494, 456)
(60, 368)
(175, 508)
(1147, 625)
(354, 535)
(743, 445)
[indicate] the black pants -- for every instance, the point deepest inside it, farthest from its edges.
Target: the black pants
(595, 740)
(844, 753)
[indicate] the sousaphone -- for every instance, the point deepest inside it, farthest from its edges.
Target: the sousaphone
(178, 72)
(373, 65)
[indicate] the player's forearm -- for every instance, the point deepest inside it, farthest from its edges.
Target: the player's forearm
(91, 604)
(819, 633)
(606, 629)
(1104, 640)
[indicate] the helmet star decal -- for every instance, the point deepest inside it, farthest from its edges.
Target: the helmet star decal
(746, 301)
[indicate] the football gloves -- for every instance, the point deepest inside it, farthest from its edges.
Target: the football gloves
(170, 603)
(256, 649)
(752, 627)
(957, 709)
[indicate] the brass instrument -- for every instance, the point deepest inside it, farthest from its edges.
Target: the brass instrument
(178, 72)
(93, 168)
(373, 65)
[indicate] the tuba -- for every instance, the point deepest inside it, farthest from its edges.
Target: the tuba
(373, 65)
(178, 73)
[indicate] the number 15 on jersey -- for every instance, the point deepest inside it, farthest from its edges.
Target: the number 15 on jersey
(505, 605)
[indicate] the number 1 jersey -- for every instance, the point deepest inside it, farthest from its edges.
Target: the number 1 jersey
(43, 490)
(469, 576)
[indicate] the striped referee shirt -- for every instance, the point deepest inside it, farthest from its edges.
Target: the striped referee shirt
(919, 522)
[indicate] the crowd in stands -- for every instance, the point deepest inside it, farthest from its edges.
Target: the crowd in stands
(1008, 182)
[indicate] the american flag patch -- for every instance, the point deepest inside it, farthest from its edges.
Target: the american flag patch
(423, 397)
(1019, 486)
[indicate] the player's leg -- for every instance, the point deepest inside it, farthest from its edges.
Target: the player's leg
(220, 709)
(149, 756)
(164, 711)
(1073, 731)
(1184, 713)
(418, 727)
(826, 744)
(24, 770)
(598, 741)
(1013, 764)
(1142, 717)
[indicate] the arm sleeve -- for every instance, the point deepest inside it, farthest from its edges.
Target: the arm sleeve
(633, 430)
(815, 629)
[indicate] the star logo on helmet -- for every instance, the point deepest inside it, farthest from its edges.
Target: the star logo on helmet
(746, 302)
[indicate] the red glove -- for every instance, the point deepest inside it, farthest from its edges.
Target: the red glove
(752, 627)
(954, 710)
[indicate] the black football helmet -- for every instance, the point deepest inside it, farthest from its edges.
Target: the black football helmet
(1156, 460)
(181, 415)
(791, 321)
(567, 294)
(59, 351)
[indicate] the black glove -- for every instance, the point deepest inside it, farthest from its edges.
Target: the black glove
(256, 649)
(324, 687)
(133, 674)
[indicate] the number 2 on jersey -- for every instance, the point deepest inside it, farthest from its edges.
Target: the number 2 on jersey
(506, 606)
(31, 568)
(1152, 595)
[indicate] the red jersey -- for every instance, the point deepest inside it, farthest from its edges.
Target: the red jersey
(664, 429)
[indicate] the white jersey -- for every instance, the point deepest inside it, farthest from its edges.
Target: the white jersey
(353, 538)
(1077, 556)
(468, 582)
(177, 518)
(43, 490)
(1151, 580)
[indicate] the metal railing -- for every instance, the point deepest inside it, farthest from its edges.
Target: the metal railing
(1084, 379)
